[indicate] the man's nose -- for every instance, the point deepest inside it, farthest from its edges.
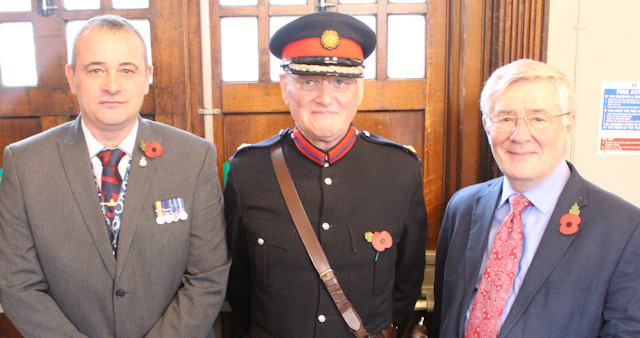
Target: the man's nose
(111, 83)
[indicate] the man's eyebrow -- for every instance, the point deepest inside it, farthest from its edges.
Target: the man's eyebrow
(504, 112)
(128, 64)
(94, 63)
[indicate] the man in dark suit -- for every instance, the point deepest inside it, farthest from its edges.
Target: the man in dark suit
(351, 183)
(574, 271)
(76, 260)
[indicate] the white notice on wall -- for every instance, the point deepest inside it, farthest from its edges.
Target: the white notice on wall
(619, 129)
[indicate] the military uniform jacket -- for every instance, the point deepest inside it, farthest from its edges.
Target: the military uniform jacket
(376, 186)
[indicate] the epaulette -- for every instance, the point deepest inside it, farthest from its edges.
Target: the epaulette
(373, 138)
(264, 143)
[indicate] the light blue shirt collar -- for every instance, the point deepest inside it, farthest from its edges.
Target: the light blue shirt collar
(544, 195)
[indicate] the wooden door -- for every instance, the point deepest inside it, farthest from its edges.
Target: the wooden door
(29, 107)
(408, 109)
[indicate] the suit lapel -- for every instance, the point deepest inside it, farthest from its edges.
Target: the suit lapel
(481, 217)
(551, 250)
(74, 156)
(135, 208)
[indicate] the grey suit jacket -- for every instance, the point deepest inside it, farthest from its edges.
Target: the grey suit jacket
(58, 276)
(581, 285)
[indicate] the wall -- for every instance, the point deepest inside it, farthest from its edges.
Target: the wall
(594, 41)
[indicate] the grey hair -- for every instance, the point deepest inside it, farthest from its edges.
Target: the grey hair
(108, 22)
(526, 69)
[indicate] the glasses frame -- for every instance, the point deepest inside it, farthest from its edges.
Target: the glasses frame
(300, 80)
(494, 125)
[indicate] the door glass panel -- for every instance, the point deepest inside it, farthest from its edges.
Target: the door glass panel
(143, 26)
(238, 2)
(129, 4)
(275, 23)
(406, 47)
(239, 45)
(18, 63)
(370, 62)
(81, 4)
(15, 5)
(288, 2)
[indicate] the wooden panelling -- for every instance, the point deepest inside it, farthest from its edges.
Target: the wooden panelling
(402, 127)
(434, 119)
(378, 95)
(251, 128)
(7, 330)
(15, 129)
(35, 101)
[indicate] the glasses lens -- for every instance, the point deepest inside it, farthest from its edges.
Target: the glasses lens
(539, 121)
(503, 122)
(311, 83)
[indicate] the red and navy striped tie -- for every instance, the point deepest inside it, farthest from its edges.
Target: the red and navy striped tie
(111, 179)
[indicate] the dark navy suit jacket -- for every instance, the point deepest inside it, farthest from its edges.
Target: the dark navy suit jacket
(580, 285)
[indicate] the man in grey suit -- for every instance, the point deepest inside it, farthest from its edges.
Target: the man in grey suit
(578, 267)
(156, 263)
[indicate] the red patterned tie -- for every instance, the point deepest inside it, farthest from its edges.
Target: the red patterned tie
(111, 179)
(497, 279)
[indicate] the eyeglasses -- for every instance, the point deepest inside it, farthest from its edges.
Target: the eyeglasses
(535, 121)
(313, 83)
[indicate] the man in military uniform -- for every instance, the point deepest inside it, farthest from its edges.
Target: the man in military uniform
(359, 191)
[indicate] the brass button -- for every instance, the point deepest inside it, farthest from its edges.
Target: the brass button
(326, 226)
(328, 181)
(260, 241)
(321, 318)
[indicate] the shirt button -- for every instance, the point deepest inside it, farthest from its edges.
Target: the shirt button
(328, 181)
(120, 293)
(260, 241)
(325, 226)
(321, 318)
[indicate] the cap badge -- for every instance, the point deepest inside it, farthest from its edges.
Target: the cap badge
(330, 39)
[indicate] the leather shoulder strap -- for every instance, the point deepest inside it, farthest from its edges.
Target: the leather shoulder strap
(312, 245)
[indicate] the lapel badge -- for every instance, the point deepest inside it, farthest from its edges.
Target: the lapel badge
(330, 39)
(569, 221)
(143, 162)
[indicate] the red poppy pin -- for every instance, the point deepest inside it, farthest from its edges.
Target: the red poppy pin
(152, 149)
(380, 240)
(569, 221)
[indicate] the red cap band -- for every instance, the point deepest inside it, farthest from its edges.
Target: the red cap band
(312, 47)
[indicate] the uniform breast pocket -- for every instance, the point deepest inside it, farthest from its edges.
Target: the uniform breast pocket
(372, 262)
(270, 245)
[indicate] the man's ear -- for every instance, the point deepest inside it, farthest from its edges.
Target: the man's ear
(569, 124)
(360, 91)
(283, 88)
(484, 124)
(71, 78)
(149, 72)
